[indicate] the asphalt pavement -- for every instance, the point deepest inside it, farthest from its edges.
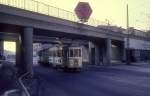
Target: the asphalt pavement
(118, 80)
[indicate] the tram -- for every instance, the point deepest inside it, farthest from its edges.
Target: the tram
(74, 57)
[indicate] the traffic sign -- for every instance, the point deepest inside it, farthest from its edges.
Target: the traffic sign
(83, 11)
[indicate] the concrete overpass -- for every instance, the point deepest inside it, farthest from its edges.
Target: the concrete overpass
(25, 27)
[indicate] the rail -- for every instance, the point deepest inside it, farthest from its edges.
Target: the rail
(42, 8)
(23, 86)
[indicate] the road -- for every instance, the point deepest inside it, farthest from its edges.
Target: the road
(96, 81)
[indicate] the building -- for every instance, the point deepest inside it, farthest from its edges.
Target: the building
(139, 43)
(139, 47)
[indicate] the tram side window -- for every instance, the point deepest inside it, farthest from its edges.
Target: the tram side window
(71, 52)
(57, 53)
(79, 50)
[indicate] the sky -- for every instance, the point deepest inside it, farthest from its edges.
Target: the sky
(10, 46)
(113, 10)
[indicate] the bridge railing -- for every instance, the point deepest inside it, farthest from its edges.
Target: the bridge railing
(46, 9)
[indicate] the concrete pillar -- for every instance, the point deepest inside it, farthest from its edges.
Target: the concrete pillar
(123, 52)
(27, 43)
(94, 54)
(24, 52)
(18, 54)
(108, 51)
(1, 47)
(65, 53)
(97, 55)
(104, 55)
(90, 54)
(101, 55)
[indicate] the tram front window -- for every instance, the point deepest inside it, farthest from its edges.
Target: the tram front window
(55, 53)
(75, 53)
(59, 53)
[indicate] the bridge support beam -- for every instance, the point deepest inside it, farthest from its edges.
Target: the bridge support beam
(94, 53)
(90, 52)
(97, 54)
(108, 52)
(1, 47)
(24, 52)
(65, 53)
(123, 52)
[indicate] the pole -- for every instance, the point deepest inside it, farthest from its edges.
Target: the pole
(127, 17)
(128, 42)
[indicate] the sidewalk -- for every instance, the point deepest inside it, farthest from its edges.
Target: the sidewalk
(143, 67)
(141, 63)
(137, 67)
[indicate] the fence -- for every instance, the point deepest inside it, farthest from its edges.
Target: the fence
(45, 9)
